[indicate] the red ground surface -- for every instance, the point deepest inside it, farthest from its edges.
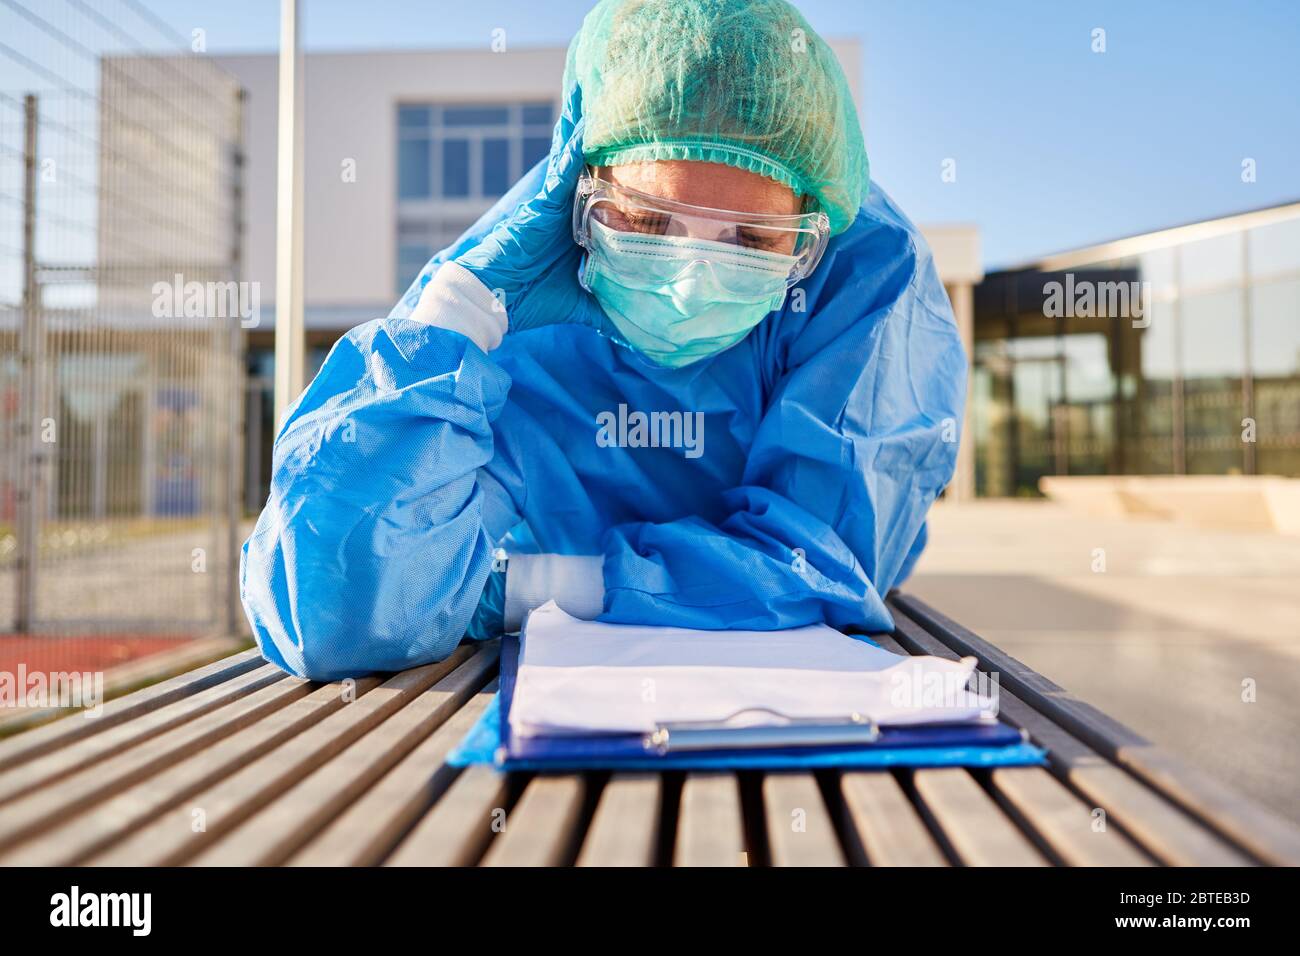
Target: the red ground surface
(51, 652)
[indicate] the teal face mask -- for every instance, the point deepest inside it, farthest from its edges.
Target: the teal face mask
(678, 300)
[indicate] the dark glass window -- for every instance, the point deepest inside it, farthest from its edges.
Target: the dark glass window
(414, 169)
(542, 113)
(414, 117)
(455, 167)
(535, 148)
(496, 166)
(453, 161)
(475, 115)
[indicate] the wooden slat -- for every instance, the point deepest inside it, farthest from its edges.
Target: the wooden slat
(888, 642)
(1063, 821)
(892, 833)
(461, 823)
(369, 829)
(1249, 825)
(1160, 827)
(625, 827)
(80, 754)
(541, 827)
(971, 822)
(1052, 812)
(278, 829)
(799, 828)
(41, 740)
(1257, 829)
(29, 815)
(710, 828)
(81, 837)
(124, 792)
(170, 839)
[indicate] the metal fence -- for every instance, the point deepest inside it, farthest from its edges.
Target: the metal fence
(121, 325)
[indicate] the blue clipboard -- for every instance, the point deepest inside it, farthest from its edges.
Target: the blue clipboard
(491, 740)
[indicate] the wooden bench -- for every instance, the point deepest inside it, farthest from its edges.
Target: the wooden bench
(235, 763)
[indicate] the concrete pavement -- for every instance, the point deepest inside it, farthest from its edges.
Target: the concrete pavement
(1167, 628)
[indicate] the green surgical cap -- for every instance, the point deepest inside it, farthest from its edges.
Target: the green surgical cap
(741, 82)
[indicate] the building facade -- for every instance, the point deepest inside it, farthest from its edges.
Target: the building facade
(1171, 353)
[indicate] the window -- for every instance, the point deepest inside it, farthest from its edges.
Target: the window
(1275, 249)
(1212, 347)
(413, 166)
(455, 168)
(469, 151)
(496, 166)
(419, 240)
(1211, 263)
(454, 161)
(1275, 360)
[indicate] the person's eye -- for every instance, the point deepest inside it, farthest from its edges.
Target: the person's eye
(628, 220)
(760, 239)
(612, 216)
(651, 224)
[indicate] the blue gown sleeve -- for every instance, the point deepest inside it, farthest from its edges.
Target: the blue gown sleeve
(857, 440)
(375, 543)
(370, 554)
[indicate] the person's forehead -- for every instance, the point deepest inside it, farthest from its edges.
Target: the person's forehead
(714, 185)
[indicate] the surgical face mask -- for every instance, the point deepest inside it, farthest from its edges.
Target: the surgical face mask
(678, 298)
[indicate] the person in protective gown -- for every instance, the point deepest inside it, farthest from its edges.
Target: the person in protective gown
(694, 370)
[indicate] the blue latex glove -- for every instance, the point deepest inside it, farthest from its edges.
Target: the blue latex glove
(489, 619)
(529, 260)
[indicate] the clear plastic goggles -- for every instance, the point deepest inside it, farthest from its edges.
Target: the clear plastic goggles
(801, 237)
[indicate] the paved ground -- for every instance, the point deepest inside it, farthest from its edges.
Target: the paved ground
(148, 582)
(1162, 638)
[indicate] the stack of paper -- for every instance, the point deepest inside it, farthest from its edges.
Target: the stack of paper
(584, 677)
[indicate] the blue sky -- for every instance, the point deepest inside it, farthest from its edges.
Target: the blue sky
(1055, 146)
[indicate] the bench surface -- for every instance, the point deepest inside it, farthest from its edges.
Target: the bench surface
(236, 764)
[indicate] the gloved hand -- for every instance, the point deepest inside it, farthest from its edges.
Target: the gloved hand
(489, 617)
(529, 260)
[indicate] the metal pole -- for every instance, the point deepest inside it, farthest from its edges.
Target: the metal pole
(33, 342)
(1251, 463)
(962, 486)
(1179, 410)
(99, 459)
(237, 383)
(289, 337)
(253, 443)
(149, 441)
(1061, 410)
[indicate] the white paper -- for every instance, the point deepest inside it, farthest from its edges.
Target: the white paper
(588, 677)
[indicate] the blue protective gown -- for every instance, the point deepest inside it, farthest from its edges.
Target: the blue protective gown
(827, 434)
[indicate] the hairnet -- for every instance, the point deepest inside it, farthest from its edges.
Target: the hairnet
(741, 82)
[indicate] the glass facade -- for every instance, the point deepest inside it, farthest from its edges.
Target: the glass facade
(1178, 357)
(453, 162)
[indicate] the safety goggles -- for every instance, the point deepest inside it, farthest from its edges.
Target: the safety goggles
(629, 212)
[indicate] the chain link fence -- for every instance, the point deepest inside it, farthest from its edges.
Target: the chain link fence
(122, 323)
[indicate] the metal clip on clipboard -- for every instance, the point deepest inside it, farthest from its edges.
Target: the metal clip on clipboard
(796, 732)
